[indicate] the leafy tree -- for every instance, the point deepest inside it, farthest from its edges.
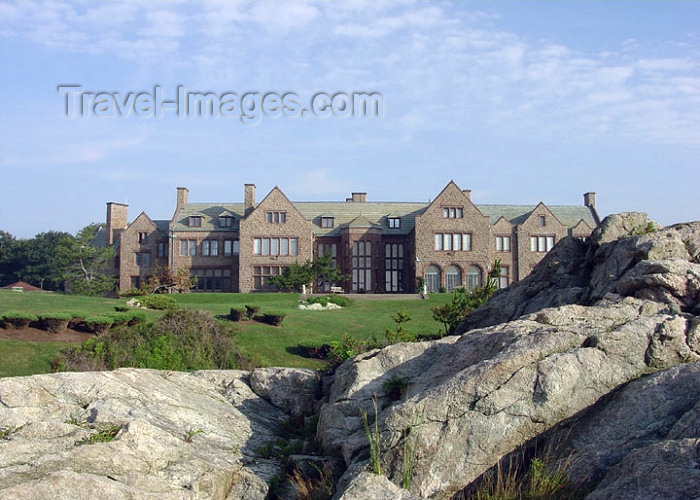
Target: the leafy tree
(8, 258)
(324, 270)
(165, 280)
(89, 272)
(294, 276)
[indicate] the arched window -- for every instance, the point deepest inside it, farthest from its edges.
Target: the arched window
(473, 278)
(453, 278)
(432, 278)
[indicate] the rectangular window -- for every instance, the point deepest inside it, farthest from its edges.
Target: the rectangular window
(503, 243)
(327, 221)
(228, 247)
(284, 250)
(543, 221)
(143, 237)
(453, 241)
(394, 223)
(257, 246)
(453, 212)
(162, 250)
(183, 247)
(142, 259)
(293, 246)
(393, 264)
(266, 246)
(225, 221)
(195, 221)
(261, 275)
(193, 247)
(205, 248)
(504, 278)
(276, 217)
(214, 248)
(236, 247)
(541, 243)
(273, 246)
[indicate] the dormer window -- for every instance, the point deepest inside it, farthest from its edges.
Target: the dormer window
(195, 221)
(394, 222)
(327, 222)
(225, 221)
(452, 212)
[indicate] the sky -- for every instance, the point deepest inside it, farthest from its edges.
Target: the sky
(519, 101)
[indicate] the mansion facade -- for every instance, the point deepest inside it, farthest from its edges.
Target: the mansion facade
(381, 246)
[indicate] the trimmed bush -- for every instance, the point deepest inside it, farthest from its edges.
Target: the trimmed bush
(271, 318)
(237, 314)
(122, 308)
(136, 318)
(119, 318)
(251, 311)
(339, 300)
(54, 322)
(98, 324)
(161, 302)
(18, 319)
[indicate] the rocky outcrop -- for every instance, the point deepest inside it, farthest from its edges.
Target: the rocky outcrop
(138, 434)
(592, 317)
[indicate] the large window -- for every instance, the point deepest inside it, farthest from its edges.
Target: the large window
(473, 278)
(432, 279)
(503, 243)
(276, 217)
(188, 247)
(361, 266)
(231, 247)
(541, 243)
(324, 249)
(453, 241)
(261, 276)
(393, 267)
(453, 278)
(142, 259)
(210, 248)
(211, 280)
(276, 246)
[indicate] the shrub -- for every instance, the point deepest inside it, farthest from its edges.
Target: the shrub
(251, 311)
(160, 302)
(271, 318)
(237, 314)
(339, 300)
(136, 318)
(395, 388)
(18, 319)
(54, 322)
(119, 318)
(122, 308)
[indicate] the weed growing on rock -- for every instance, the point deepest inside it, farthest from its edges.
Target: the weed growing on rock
(373, 438)
(411, 435)
(105, 433)
(191, 433)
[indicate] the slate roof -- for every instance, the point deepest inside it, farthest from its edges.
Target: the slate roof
(367, 214)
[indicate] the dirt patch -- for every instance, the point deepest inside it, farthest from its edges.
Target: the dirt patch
(36, 335)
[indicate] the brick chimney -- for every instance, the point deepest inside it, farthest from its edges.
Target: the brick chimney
(117, 214)
(467, 193)
(249, 198)
(357, 198)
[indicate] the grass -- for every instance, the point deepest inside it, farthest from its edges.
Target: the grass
(265, 345)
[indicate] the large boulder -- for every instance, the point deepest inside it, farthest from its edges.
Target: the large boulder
(135, 434)
(294, 391)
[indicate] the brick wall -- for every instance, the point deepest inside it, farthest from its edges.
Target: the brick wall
(540, 223)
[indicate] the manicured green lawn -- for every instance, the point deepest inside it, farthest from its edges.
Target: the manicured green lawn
(18, 358)
(263, 344)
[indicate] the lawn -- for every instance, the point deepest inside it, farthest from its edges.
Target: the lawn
(265, 345)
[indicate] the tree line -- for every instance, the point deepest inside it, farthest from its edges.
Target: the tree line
(59, 261)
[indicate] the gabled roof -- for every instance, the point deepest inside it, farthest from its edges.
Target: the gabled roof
(209, 212)
(24, 286)
(517, 214)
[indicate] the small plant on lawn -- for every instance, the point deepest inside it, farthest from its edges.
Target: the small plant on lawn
(161, 302)
(373, 438)
(270, 318)
(400, 335)
(395, 388)
(237, 314)
(191, 433)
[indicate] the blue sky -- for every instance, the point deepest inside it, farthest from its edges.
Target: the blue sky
(517, 101)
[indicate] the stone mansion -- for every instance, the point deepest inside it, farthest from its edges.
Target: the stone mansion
(381, 246)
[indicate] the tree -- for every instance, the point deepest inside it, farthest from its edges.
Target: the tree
(90, 264)
(164, 280)
(326, 272)
(294, 276)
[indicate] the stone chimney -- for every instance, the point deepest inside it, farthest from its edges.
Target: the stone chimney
(249, 198)
(357, 198)
(589, 199)
(467, 193)
(182, 196)
(117, 214)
